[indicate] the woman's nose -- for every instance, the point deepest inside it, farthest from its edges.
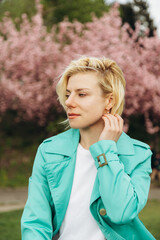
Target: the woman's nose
(70, 102)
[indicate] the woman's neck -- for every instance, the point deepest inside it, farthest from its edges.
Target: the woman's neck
(89, 136)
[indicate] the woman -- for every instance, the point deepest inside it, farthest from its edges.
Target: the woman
(91, 181)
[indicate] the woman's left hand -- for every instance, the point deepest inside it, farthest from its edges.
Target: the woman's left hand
(113, 127)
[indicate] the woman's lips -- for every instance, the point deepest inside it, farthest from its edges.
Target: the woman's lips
(73, 115)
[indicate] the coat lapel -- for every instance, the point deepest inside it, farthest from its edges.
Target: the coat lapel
(60, 178)
(60, 156)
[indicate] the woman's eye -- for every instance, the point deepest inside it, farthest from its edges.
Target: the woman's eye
(67, 95)
(82, 94)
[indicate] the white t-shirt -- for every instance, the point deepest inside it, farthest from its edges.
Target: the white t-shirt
(79, 223)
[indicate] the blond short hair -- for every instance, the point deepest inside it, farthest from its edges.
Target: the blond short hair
(111, 79)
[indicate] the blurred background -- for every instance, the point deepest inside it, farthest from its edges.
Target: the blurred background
(38, 39)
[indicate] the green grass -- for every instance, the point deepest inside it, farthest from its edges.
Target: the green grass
(10, 221)
(150, 216)
(10, 225)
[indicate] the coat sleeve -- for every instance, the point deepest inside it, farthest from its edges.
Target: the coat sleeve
(122, 195)
(36, 221)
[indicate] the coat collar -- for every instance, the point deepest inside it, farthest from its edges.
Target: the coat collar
(66, 143)
(125, 145)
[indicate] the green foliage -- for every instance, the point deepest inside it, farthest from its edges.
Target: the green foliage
(17, 8)
(19, 134)
(18, 145)
(55, 11)
(18, 172)
(80, 10)
(128, 15)
(137, 129)
(3, 176)
(137, 11)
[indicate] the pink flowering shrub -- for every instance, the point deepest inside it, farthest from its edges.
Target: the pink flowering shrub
(31, 59)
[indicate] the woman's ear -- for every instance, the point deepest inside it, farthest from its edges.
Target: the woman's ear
(110, 102)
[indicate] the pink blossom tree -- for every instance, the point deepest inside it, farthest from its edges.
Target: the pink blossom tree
(31, 59)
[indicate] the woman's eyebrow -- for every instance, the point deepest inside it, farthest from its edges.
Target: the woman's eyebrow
(78, 90)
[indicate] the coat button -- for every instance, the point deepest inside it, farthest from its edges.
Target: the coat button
(102, 212)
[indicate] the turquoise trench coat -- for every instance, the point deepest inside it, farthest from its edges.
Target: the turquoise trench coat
(120, 190)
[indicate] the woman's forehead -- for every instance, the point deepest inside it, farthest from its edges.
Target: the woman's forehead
(84, 80)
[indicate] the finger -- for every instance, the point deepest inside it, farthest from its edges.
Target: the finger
(106, 121)
(110, 124)
(114, 122)
(120, 121)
